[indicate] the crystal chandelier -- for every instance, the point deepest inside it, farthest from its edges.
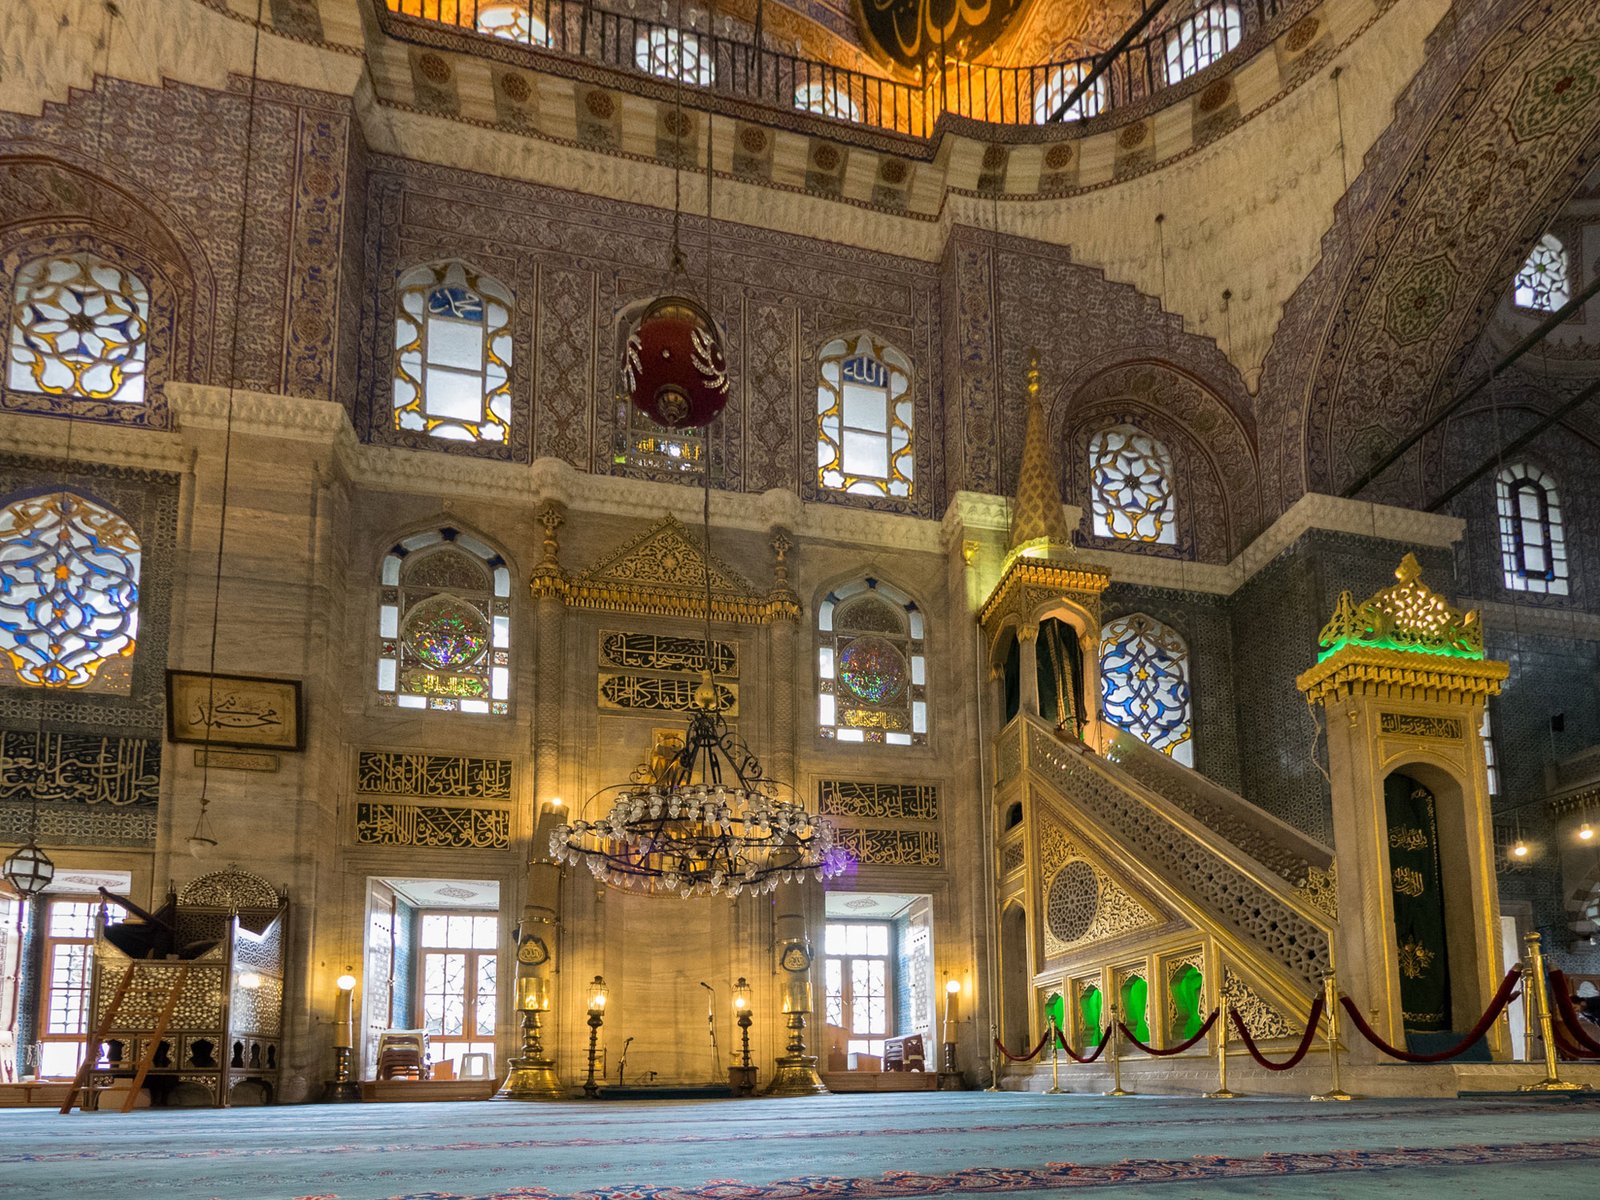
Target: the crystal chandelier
(705, 821)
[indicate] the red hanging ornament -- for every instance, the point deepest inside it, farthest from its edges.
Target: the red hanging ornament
(674, 369)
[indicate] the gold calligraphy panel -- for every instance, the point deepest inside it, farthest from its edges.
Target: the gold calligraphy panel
(234, 710)
(1417, 725)
(896, 801)
(381, 773)
(651, 694)
(381, 823)
(666, 652)
(893, 847)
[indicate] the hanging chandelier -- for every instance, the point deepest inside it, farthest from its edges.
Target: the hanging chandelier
(705, 821)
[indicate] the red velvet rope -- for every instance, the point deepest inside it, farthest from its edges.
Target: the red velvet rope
(1178, 1049)
(1105, 1040)
(1508, 988)
(1300, 1051)
(1585, 1045)
(1029, 1056)
(1566, 1049)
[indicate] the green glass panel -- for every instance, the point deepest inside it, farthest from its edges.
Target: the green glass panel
(1055, 1010)
(1135, 1007)
(1090, 1006)
(1187, 986)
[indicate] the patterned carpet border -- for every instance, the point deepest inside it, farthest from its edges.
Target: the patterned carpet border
(910, 1185)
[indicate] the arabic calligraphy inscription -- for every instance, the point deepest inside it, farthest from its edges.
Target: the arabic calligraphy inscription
(381, 773)
(233, 710)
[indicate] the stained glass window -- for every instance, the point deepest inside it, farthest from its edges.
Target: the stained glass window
(514, 23)
(674, 54)
(1059, 83)
(826, 100)
(1131, 486)
(1532, 548)
(444, 625)
(452, 359)
(864, 409)
(69, 593)
(872, 671)
(1144, 680)
(1543, 282)
(78, 328)
(1201, 38)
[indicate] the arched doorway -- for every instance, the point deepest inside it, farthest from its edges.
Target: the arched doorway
(1015, 980)
(1421, 931)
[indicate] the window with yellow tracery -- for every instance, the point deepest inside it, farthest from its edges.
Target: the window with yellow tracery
(871, 666)
(452, 364)
(1131, 486)
(864, 414)
(79, 326)
(69, 593)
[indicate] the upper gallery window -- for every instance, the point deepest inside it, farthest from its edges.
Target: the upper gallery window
(674, 54)
(1201, 38)
(79, 326)
(1131, 486)
(826, 101)
(872, 672)
(514, 23)
(452, 359)
(69, 593)
(1491, 766)
(1532, 549)
(444, 625)
(1059, 83)
(864, 410)
(1543, 283)
(1144, 682)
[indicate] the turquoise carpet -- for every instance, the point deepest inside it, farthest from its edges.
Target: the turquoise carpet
(841, 1148)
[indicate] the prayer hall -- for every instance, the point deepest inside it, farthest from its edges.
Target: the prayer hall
(786, 599)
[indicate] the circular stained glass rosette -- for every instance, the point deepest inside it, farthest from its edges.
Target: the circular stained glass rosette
(873, 670)
(446, 632)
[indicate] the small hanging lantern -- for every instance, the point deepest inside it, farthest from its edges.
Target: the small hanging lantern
(29, 870)
(674, 369)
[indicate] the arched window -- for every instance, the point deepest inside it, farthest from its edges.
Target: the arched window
(79, 326)
(514, 23)
(1543, 283)
(444, 625)
(1144, 683)
(1532, 549)
(864, 410)
(1059, 83)
(674, 54)
(1201, 38)
(872, 673)
(1131, 486)
(69, 593)
(452, 360)
(826, 100)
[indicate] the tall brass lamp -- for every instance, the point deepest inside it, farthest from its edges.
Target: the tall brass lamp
(743, 1077)
(532, 1075)
(344, 1088)
(599, 993)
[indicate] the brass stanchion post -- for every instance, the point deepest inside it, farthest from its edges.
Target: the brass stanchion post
(994, 1060)
(1116, 1055)
(1533, 987)
(1222, 1092)
(1055, 1069)
(1330, 994)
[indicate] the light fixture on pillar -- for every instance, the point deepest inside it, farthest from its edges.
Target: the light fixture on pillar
(599, 993)
(344, 1088)
(952, 989)
(1586, 832)
(742, 1077)
(532, 1075)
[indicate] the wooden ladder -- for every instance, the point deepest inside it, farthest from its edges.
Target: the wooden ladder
(180, 976)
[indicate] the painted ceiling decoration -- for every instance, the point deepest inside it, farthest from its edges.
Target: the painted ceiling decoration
(906, 33)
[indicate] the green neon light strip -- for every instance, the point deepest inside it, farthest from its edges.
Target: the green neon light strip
(1410, 647)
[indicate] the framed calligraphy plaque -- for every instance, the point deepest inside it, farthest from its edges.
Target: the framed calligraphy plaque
(239, 710)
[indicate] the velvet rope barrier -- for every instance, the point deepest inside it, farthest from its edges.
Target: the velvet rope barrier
(1508, 989)
(1029, 1056)
(1586, 1045)
(1105, 1040)
(1566, 1049)
(1300, 1051)
(1171, 1050)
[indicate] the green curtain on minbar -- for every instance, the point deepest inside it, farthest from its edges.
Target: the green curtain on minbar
(1136, 1007)
(1055, 1009)
(1415, 878)
(1186, 988)
(1090, 1006)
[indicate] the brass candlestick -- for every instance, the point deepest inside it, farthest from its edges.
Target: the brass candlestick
(532, 1075)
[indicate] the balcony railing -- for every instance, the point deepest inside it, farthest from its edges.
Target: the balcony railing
(730, 64)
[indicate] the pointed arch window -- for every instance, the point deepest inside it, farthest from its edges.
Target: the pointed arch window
(864, 415)
(674, 54)
(826, 100)
(444, 625)
(1533, 551)
(1201, 38)
(514, 23)
(79, 328)
(1059, 83)
(872, 669)
(69, 593)
(1131, 486)
(1144, 682)
(1544, 283)
(452, 361)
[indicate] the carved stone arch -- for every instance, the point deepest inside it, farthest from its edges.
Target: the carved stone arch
(383, 546)
(50, 207)
(1214, 458)
(1485, 145)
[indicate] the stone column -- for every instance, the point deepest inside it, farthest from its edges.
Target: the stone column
(783, 642)
(1028, 669)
